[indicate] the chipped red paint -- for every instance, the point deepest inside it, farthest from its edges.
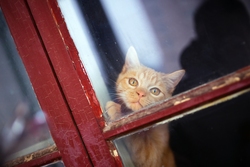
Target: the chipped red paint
(73, 79)
(45, 82)
(73, 53)
(55, 156)
(173, 110)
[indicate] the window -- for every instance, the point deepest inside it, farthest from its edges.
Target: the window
(201, 37)
(68, 144)
(80, 49)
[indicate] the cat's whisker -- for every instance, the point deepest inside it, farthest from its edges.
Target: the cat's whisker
(112, 81)
(117, 99)
(113, 94)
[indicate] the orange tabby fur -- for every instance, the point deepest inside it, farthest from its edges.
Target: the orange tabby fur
(138, 86)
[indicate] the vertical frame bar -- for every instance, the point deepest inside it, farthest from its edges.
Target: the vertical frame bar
(45, 83)
(77, 88)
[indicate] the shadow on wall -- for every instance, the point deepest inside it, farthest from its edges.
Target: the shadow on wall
(222, 44)
(220, 135)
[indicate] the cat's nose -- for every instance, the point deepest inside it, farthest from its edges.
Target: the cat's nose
(141, 93)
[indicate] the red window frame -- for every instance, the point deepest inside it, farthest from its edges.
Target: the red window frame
(70, 147)
(76, 121)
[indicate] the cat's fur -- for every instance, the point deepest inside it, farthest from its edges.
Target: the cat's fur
(138, 86)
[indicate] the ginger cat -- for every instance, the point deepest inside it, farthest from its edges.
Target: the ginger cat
(138, 86)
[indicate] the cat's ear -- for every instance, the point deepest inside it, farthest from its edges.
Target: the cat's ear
(131, 60)
(173, 79)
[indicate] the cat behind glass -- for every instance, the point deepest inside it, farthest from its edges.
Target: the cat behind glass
(138, 86)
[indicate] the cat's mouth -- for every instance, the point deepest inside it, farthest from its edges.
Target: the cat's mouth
(136, 106)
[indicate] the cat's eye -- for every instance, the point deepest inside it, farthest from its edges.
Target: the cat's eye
(155, 91)
(133, 82)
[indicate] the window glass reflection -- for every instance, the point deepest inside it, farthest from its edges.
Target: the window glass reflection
(208, 39)
(23, 128)
(202, 37)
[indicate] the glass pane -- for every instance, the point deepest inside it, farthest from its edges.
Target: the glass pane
(55, 164)
(217, 135)
(23, 128)
(208, 39)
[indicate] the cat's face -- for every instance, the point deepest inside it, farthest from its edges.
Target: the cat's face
(138, 86)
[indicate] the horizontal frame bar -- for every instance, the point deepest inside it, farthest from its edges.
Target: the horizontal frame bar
(179, 104)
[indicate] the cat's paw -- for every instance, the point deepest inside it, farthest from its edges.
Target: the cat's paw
(113, 110)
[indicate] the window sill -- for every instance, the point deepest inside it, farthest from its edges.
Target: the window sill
(180, 104)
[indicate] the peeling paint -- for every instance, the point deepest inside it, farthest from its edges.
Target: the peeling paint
(41, 48)
(181, 101)
(31, 156)
(115, 153)
(226, 82)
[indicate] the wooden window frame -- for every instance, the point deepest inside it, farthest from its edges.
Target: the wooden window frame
(44, 44)
(69, 145)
